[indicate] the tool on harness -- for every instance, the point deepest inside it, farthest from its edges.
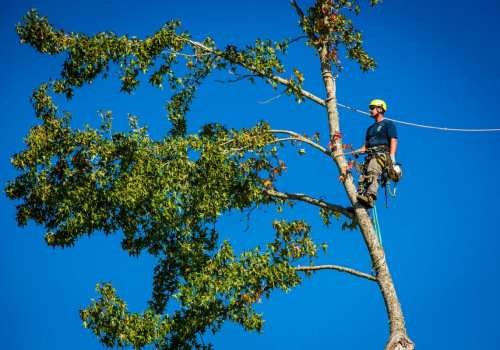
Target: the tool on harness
(393, 172)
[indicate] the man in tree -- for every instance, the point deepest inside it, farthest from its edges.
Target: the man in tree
(381, 138)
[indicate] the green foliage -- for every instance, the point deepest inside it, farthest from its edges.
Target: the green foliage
(76, 182)
(158, 55)
(165, 196)
(223, 289)
(326, 214)
(327, 26)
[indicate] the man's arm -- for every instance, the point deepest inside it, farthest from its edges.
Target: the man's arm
(392, 149)
(362, 150)
(393, 146)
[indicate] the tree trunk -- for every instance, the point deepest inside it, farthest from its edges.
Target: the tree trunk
(398, 338)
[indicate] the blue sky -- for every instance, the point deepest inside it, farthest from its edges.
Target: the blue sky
(438, 65)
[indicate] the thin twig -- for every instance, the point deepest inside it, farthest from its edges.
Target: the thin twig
(274, 98)
(247, 218)
(239, 78)
(296, 39)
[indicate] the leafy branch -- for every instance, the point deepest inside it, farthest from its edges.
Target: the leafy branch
(314, 201)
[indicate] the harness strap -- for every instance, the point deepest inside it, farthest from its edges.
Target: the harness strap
(386, 203)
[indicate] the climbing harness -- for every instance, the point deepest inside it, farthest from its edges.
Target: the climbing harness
(390, 171)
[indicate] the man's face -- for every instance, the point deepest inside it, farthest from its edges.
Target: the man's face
(374, 111)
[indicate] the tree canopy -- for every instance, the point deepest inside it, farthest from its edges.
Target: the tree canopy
(166, 196)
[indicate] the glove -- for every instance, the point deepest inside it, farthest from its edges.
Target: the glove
(393, 158)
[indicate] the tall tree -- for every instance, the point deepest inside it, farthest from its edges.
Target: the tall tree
(166, 195)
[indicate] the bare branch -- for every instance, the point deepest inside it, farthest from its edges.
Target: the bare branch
(338, 268)
(299, 11)
(274, 98)
(177, 53)
(285, 139)
(317, 202)
(294, 137)
(297, 38)
(311, 35)
(298, 137)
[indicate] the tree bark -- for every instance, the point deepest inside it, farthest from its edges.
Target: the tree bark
(398, 338)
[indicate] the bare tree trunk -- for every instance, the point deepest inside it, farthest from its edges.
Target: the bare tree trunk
(398, 338)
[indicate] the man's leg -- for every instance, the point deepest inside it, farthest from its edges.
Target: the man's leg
(374, 171)
(362, 184)
(371, 182)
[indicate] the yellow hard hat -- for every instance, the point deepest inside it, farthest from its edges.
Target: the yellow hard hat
(379, 103)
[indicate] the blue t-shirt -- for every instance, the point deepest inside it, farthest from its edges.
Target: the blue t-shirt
(381, 133)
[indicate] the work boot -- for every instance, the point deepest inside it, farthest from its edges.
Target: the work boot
(367, 200)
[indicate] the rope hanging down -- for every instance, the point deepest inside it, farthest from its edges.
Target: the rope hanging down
(421, 126)
(376, 224)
